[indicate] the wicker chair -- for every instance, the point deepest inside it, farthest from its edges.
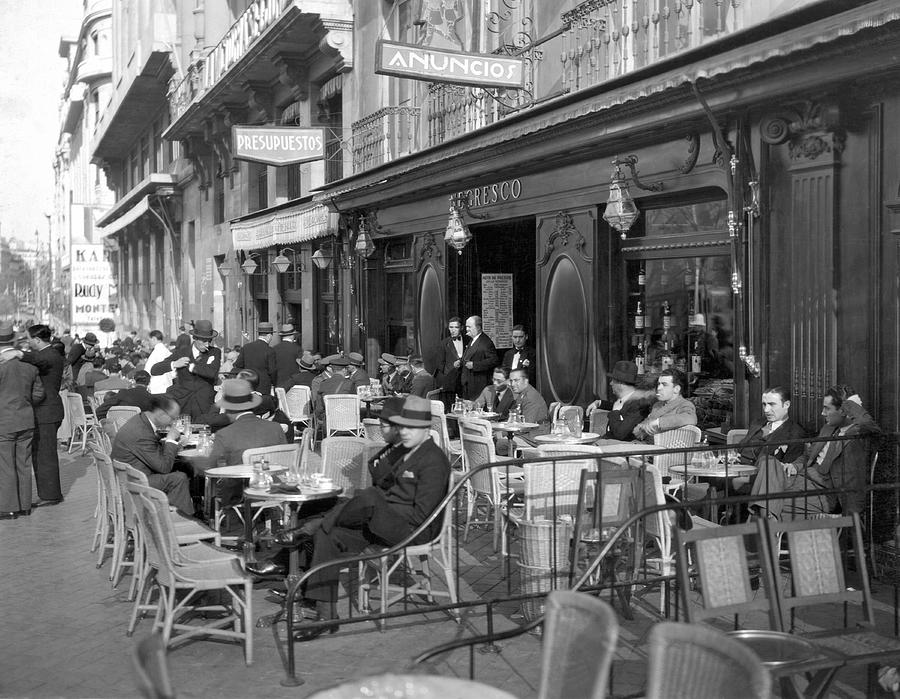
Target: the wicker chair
(100, 396)
(117, 416)
(551, 487)
(183, 581)
(372, 429)
(295, 404)
(452, 447)
(342, 414)
(692, 661)
(674, 439)
(344, 461)
(81, 421)
(580, 635)
(151, 668)
(109, 532)
(417, 559)
(572, 415)
(599, 421)
(484, 486)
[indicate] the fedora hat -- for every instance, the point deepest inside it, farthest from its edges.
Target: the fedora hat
(7, 335)
(338, 360)
(90, 339)
(625, 372)
(308, 361)
(237, 395)
(356, 359)
(203, 330)
(264, 328)
(286, 329)
(416, 412)
(391, 408)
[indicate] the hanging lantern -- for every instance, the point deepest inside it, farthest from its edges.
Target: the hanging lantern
(281, 263)
(621, 212)
(364, 245)
(249, 265)
(322, 257)
(457, 235)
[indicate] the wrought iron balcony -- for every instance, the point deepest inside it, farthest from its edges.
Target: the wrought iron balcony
(384, 136)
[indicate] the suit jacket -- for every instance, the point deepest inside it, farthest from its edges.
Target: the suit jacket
(286, 356)
(49, 364)
(534, 407)
(422, 383)
(397, 383)
(358, 378)
(247, 432)
(76, 358)
(845, 464)
(301, 378)
(483, 355)
(194, 391)
(787, 430)
(113, 383)
(381, 465)
(449, 375)
(260, 357)
(488, 401)
(623, 421)
(138, 445)
(329, 387)
(678, 412)
(20, 388)
(525, 354)
(420, 481)
(138, 396)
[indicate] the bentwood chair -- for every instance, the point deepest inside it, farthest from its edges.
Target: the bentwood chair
(183, 582)
(694, 661)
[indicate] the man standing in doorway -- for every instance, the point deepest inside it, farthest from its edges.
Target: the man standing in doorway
(259, 356)
(48, 414)
(520, 356)
(452, 349)
(478, 361)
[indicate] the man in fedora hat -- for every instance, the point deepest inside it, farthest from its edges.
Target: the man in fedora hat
(259, 356)
(196, 371)
(245, 430)
(408, 488)
(307, 370)
(356, 374)
(81, 351)
(287, 352)
(630, 406)
(20, 389)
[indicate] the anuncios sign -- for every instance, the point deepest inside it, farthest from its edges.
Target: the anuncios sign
(442, 65)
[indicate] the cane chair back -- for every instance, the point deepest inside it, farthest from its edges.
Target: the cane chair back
(287, 455)
(474, 426)
(109, 532)
(599, 421)
(100, 396)
(679, 438)
(151, 668)
(372, 429)
(118, 415)
(418, 560)
(551, 487)
(82, 422)
(735, 436)
(724, 570)
(342, 414)
(484, 485)
(693, 661)
(553, 410)
(452, 447)
(64, 433)
(344, 461)
(580, 635)
(294, 403)
(572, 415)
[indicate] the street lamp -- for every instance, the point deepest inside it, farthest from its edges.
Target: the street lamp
(323, 256)
(250, 264)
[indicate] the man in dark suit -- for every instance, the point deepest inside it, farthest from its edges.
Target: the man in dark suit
(631, 406)
(452, 349)
(138, 444)
(520, 356)
(20, 389)
(197, 370)
(356, 374)
(244, 431)
(335, 384)
(479, 360)
(408, 487)
(422, 382)
(139, 396)
(259, 356)
(497, 398)
(307, 372)
(48, 414)
(287, 352)
(81, 351)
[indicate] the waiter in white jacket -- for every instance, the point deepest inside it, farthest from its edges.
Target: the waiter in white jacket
(158, 352)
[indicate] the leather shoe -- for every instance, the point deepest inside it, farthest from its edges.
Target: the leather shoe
(46, 503)
(9, 515)
(24, 513)
(266, 569)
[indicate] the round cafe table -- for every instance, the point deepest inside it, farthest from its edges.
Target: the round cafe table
(412, 687)
(510, 430)
(585, 438)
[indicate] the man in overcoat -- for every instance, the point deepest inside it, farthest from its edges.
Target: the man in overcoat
(197, 370)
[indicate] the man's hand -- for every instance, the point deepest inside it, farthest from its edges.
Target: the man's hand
(790, 470)
(469, 365)
(174, 434)
(457, 363)
(180, 362)
(525, 362)
(592, 407)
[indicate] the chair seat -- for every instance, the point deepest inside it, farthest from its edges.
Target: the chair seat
(188, 531)
(859, 647)
(200, 552)
(210, 575)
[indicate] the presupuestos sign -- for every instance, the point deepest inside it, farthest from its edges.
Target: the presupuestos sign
(442, 65)
(278, 145)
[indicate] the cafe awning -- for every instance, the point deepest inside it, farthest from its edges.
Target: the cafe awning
(296, 224)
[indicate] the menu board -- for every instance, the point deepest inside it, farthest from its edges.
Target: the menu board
(497, 308)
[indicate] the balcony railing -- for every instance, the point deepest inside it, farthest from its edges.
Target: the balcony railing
(385, 135)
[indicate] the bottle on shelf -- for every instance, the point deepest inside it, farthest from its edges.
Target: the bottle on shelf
(642, 277)
(639, 317)
(639, 358)
(667, 316)
(695, 357)
(666, 360)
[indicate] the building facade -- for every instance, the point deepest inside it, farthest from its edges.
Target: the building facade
(81, 194)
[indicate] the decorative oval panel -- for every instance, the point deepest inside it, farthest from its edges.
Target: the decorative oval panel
(431, 311)
(566, 341)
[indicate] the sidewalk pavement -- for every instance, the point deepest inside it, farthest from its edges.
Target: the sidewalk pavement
(62, 627)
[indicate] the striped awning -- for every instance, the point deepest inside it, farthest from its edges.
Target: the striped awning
(296, 225)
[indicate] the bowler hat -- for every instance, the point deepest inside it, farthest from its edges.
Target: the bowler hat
(286, 329)
(416, 412)
(7, 335)
(202, 330)
(264, 328)
(237, 395)
(625, 372)
(391, 408)
(356, 359)
(90, 339)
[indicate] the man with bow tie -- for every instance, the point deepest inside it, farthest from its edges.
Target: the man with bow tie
(196, 371)
(452, 349)
(520, 356)
(478, 361)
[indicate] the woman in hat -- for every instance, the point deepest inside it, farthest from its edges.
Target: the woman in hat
(196, 371)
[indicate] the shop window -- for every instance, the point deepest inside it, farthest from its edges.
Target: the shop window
(400, 313)
(218, 200)
(294, 181)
